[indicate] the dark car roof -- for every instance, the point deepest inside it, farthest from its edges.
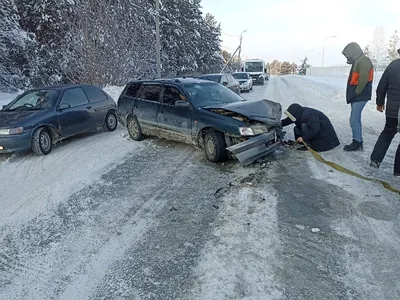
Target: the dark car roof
(62, 87)
(175, 80)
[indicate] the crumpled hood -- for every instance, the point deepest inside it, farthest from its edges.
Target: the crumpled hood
(265, 111)
(9, 119)
(352, 51)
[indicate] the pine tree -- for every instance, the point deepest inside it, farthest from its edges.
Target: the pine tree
(15, 47)
(304, 66)
(367, 51)
(393, 46)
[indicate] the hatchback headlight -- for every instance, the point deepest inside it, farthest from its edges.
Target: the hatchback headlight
(246, 131)
(11, 131)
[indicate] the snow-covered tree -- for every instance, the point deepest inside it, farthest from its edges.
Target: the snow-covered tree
(378, 47)
(15, 48)
(393, 46)
(367, 51)
(304, 66)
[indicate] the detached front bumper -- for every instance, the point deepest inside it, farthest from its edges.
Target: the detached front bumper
(255, 148)
(15, 143)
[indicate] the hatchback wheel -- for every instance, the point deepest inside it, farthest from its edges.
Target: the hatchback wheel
(42, 142)
(134, 129)
(111, 122)
(215, 146)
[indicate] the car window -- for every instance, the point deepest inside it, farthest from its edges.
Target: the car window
(94, 94)
(210, 93)
(74, 97)
(151, 92)
(132, 90)
(34, 100)
(171, 94)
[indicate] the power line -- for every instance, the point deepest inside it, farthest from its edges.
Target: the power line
(236, 35)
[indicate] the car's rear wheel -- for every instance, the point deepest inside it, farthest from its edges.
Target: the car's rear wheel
(215, 146)
(42, 142)
(111, 122)
(134, 129)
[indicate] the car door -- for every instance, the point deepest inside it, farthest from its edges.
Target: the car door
(175, 118)
(146, 106)
(73, 112)
(99, 104)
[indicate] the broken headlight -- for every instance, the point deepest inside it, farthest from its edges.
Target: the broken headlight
(246, 131)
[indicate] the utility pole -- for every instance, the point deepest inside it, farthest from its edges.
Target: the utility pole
(323, 50)
(240, 50)
(158, 45)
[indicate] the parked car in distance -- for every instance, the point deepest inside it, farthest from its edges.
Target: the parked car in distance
(202, 113)
(225, 79)
(245, 81)
(39, 118)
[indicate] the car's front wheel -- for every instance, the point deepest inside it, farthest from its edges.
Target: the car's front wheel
(134, 129)
(215, 146)
(42, 142)
(111, 122)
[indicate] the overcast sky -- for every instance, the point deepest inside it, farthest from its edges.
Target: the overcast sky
(286, 29)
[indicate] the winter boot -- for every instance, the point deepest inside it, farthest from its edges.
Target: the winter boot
(354, 146)
(374, 164)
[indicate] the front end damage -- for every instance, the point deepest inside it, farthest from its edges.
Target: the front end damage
(264, 119)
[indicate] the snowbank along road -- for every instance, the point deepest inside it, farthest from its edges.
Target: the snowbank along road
(103, 217)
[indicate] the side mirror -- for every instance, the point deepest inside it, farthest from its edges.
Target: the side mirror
(181, 103)
(265, 70)
(4, 106)
(63, 106)
(225, 83)
(242, 69)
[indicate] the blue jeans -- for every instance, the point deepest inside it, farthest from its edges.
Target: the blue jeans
(355, 119)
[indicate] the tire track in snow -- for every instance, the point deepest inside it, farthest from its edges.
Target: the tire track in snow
(365, 233)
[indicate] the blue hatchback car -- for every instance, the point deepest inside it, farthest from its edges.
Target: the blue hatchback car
(202, 113)
(39, 118)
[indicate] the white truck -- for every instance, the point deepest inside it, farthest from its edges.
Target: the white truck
(256, 69)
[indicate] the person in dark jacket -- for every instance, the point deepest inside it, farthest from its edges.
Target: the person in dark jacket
(359, 90)
(312, 126)
(388, 87)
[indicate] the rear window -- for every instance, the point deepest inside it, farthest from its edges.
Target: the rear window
(132, 90)
(94, 94)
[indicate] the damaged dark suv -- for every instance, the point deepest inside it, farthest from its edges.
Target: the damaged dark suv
(202, 113)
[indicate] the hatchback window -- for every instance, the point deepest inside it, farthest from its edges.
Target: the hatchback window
(94, 94)
(74, 97)
(132, 90)
(171, 95)
(151, 92)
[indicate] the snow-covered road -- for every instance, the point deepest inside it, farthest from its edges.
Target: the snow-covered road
(104, 217)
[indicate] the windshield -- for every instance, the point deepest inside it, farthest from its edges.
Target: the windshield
(240, 75)
(215, 78)
(254, 67)
(36, 100)
(209, 93)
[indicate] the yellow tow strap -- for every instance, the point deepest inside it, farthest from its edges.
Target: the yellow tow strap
(344, 170)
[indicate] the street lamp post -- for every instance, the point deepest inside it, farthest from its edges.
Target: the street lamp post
(323, 51)
(240, 48)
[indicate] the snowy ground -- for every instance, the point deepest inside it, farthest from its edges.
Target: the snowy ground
(104, 217)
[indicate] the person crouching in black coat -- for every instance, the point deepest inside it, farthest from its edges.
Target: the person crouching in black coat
(312, 126)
